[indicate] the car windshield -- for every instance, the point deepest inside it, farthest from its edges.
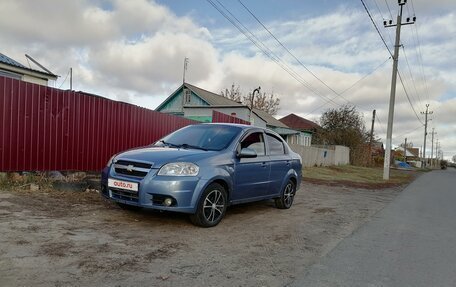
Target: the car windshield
(205, 137)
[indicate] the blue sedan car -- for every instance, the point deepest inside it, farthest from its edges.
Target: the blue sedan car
(201, 169)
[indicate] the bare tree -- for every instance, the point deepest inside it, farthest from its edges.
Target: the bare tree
(344, 126)
(262, 101)
(233, 93)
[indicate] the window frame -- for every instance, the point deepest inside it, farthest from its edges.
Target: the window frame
(246, 135)
(285, 149)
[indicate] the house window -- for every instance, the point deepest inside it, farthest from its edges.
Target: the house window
(187, 96)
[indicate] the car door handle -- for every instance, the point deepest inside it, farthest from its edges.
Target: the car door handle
(263, 164)
(288, 162)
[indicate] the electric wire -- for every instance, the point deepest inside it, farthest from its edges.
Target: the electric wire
(64, 79)
(411, 75)
(408, 98)
(387, 5)
(376, 28)
(406, 133)
(351, 86)
(298, 61)
(244, 30)
(389, 50)
(420, 54)
(291, 54)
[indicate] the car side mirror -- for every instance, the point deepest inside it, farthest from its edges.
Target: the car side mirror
(247, 153)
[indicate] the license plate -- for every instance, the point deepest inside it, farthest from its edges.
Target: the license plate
(120, 184)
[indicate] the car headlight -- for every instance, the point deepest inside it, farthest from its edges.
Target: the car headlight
(110, 161)
(179, 169)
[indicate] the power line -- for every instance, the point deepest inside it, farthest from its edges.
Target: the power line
(408, 98)
(384, 42)
(411, 75)
(289, 52)
(420, 55)
(64, 79)
(297, 60)
(376, 28)
(351, 86)
(406, 133)
(258, 43)
(391, 14)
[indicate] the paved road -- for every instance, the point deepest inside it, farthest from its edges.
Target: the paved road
(411, 242)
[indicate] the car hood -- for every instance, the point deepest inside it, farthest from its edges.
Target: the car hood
(159, 156)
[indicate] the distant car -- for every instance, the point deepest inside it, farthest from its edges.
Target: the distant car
(443, 164)
(201, 169)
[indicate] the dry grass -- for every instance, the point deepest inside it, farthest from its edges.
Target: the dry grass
(355, 175)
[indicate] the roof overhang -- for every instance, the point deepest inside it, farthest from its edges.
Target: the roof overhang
(29, 72)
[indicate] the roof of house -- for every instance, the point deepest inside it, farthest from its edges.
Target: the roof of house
(8, 61)
(215, 100)
(211, 98)
(298, 123)
(410, 152)
(270, 120)
(414, 150)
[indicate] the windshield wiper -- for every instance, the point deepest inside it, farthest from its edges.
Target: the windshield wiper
(192, 146)
(169, 144)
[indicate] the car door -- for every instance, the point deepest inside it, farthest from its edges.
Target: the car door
(280, 162)
(251, 175)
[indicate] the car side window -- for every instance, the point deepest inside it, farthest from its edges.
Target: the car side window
(275, 145)
(255, 141)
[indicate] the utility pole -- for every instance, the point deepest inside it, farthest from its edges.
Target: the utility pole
(71, 79)
(426, 113)
(405, 151)
(389, 130)
(437, 149)
(371, 137)
(432, 147)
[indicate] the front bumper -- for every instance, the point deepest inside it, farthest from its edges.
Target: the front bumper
(153, 189)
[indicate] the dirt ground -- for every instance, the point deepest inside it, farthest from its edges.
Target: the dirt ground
(79, 239)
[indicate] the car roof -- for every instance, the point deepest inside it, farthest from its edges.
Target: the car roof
(244, 127)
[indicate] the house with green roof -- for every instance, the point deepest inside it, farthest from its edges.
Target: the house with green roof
(197, 104)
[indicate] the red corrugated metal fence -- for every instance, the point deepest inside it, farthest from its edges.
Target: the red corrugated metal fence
(44, 128)
(218, 117)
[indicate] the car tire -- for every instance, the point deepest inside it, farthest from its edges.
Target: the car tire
(129, 207)
(211, 207)
(287, 196)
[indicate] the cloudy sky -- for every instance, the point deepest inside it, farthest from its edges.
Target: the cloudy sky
(329, 53)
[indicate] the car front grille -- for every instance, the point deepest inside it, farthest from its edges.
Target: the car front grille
(124, 195)
(132, 168)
